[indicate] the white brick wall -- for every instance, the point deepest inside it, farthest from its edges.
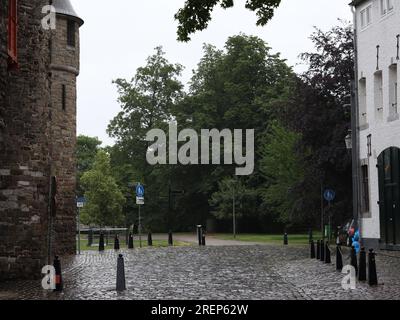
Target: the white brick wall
(382, 31)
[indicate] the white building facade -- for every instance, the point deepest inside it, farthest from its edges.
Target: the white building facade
(378, 41)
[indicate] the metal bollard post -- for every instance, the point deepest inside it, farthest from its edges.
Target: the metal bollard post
(203, 236)
(130, 242)
(199, 234)
(327, 253)
(362, 273)
(59, 281)
(339, 259)
(354, 259)
(116, 242)
(285, 239)
(372, 274)
(149, 240)
(121, 285)
(170, 239)
(322, 258)
(312, 248)
(318, 249)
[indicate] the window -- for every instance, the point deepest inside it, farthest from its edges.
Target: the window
(362, 87)
(12, 31)
(64, 97)
(366, 16)
(393, 89)
(365, 189)
(71, 33)
(378, 94)
(386, 6)
(369, 145)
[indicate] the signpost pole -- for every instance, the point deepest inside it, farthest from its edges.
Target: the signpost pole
(79, 230)
(140, 228)
(140, 202)
(234, 213)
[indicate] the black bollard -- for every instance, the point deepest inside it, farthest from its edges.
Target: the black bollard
(353, 259)
(170, 239)
(199, 234)
(322, 258)
(130, 241)
(327, 253)
(285, 239)
(116, 242)
(90, 237)
(121, 285)
(203, 240)
(101, 242)
(339, 259)
(372, 274)
(362, 273)
(318, 250)
(59, 281)
(312, 248)
(149, 240)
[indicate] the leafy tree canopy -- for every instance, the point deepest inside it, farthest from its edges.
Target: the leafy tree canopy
(104, 198)
(196, 14)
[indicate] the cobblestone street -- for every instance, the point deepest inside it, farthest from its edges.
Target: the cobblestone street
(227, 272)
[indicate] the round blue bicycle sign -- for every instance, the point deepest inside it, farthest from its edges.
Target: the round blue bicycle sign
(329, 195)
(139, 191)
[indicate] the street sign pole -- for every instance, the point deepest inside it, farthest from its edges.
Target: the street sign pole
(140, 202)
(234, 213)
(79, 230)
(140, 228)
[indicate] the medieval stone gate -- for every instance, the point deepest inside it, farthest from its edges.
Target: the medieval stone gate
(37, 135)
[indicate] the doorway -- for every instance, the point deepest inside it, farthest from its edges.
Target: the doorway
(389, 196)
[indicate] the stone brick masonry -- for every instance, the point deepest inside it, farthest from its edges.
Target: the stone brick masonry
(37, 141)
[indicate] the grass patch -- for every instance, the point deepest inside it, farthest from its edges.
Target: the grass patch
(299, 239)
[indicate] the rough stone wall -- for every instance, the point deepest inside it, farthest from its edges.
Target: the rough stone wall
(65, 66)
(24, 147)
(37, 141)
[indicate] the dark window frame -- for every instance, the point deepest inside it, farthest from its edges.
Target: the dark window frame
(365, 189)
(71, 31)
(64, 97)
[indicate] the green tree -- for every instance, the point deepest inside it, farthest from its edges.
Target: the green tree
(196, 14)
(104, 199)
(229, 189)
(147, 102)
(316, 111)
(283, 170)
(237, 88)
(87, 148)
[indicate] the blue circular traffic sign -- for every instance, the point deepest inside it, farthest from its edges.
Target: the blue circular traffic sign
(329, 195)
(140, 191)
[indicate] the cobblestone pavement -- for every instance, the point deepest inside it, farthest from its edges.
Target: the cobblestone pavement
(228, 272)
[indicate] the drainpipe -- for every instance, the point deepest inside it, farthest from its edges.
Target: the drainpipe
(355, 131)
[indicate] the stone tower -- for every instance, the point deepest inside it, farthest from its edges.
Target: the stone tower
(64, 69)
(37, 135)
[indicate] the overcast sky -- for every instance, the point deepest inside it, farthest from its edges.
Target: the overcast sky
(118, 36)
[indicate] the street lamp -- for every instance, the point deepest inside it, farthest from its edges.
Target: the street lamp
(348, 141)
